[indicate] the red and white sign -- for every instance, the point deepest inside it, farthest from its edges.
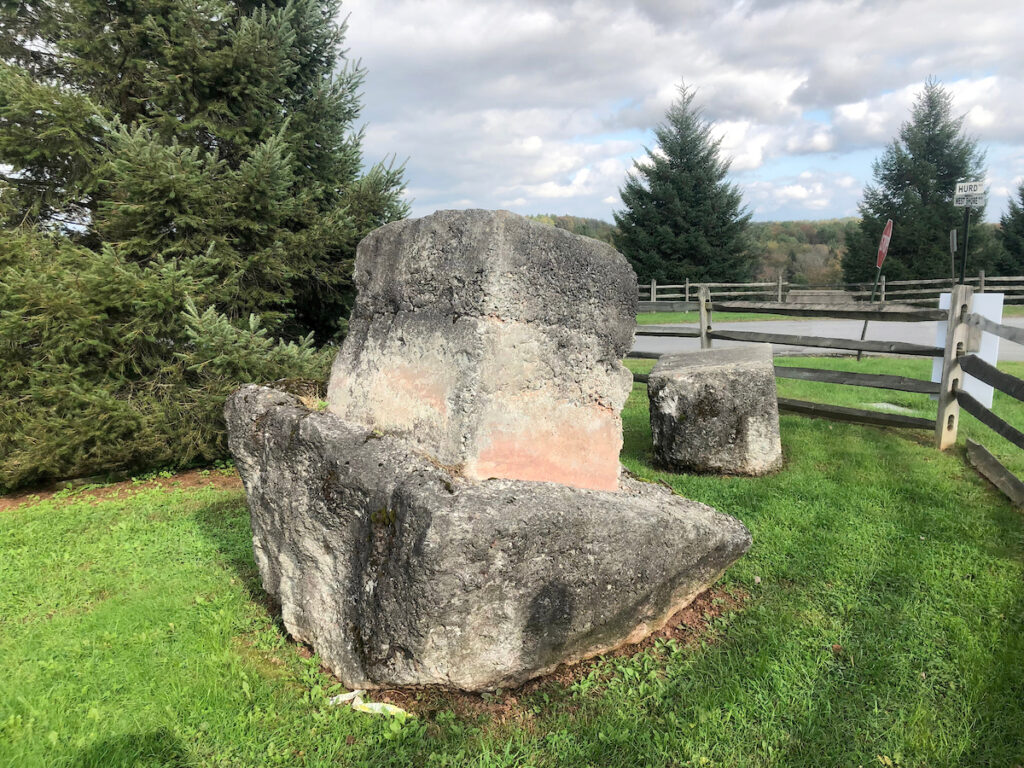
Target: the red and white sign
(883, 245)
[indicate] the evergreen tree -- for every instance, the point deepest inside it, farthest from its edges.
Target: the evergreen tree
(681, 218)
(107, 365)
(219, 133)
(171, 171)
(915, 179)
(1011, 234)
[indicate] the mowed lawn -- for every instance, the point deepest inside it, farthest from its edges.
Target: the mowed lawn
(880, 622)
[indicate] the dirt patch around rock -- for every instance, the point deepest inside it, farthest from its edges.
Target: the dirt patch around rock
(224, 479)
(686, 627)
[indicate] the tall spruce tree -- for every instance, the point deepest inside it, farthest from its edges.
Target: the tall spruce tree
(915, 179)
(1011, 234)
(217, 133)
(682, 219)
(171, 172)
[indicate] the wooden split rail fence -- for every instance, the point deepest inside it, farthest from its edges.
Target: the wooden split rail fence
(957, 360)
(902, 291)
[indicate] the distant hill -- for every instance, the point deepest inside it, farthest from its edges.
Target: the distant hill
(595, 228)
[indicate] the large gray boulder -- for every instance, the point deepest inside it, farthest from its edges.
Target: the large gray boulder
(716, 410)
(458, 515)
(399, 571)
(493, 343)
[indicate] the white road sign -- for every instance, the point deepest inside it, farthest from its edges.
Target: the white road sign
(968, 201)
(970, 188)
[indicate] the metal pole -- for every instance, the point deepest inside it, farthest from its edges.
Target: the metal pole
(704, 297)
(967, 231)
(864, 330)
(952, 256)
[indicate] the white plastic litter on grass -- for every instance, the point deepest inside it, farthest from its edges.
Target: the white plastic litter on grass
(355, 699)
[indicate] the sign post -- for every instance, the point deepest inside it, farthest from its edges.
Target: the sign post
(883, 250)
(952, 255)
(968, 194)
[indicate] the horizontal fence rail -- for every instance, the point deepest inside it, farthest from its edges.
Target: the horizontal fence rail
(1000, 426)
(795, 340)
(824, 342)
(831, 311)
(1008, 332)
(902, 291)
(654, 330)
(991, 468)
(876, 380)
(859, 415)
(974, 366)
(828, 376)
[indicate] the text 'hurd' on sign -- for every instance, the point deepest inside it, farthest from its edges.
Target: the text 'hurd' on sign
(970, 188)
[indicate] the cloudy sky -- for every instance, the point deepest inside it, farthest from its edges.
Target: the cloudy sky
(541, 106)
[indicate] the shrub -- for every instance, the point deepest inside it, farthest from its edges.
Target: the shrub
(109, 365)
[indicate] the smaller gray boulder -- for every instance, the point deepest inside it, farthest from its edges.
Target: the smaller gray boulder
(716, 411)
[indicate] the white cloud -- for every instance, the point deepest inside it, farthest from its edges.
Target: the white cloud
(806, 195)
(744, 142)
(534, 101)
(532, 144)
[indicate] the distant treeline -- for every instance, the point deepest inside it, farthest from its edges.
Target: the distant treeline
(803, 252)
(806, 252)
(812, 252)
(595, 228)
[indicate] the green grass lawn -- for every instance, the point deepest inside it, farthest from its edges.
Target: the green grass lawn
(883, 624)
(1013, 310)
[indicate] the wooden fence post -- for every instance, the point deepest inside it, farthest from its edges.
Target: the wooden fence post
(654, 290)
(704, 298)
(686, 291)
(778, 288)
(981, 281)
(881, 296)
(947, 420)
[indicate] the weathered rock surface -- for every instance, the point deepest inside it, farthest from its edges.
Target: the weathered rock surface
(716, 411)
(399, 572)
(494, 343)
(458, 517)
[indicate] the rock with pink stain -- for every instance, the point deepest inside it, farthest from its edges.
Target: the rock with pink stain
(403, 533)
(494, 344)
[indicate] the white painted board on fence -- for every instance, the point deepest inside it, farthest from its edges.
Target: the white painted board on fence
(990, 306)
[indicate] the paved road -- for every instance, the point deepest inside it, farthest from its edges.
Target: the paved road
(917, 333)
